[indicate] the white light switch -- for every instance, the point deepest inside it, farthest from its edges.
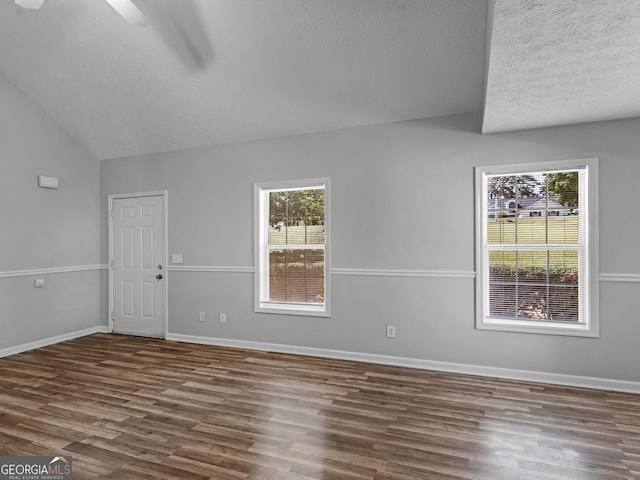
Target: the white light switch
(176, 258)
(38, 283)
(48, 182)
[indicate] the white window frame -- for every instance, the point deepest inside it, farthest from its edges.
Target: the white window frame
(261, 228)
(588, 325)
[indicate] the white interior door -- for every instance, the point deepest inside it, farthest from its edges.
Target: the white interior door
(138, 269)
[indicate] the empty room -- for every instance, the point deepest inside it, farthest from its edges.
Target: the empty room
(320, 239)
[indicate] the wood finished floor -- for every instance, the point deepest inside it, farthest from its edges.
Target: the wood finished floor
(135, 408)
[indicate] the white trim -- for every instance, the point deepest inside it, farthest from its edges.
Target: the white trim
(164, 194)
(543, 327)
(210, 268)
(45, 271)
(620, 277)
(587, 248)
(371, 272)
(260, 223)
(364, 272)
(485, 371)
(548, 166)
(5, 352)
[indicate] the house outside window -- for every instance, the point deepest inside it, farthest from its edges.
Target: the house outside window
(536, 241)
(292, 247)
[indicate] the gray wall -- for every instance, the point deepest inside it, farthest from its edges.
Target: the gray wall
(45, 229)
(403, 199)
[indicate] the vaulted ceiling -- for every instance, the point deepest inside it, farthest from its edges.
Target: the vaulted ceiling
(210, 72)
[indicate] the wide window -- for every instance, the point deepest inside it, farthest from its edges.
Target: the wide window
(292, 247)
(536, 248)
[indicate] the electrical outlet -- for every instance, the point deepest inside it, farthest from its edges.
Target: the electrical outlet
(391, 331)
(202, 317)
(223, 318)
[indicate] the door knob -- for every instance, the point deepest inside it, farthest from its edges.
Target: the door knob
(159, 277)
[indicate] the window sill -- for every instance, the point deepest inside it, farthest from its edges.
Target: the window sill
(293, 309)
(547, 328)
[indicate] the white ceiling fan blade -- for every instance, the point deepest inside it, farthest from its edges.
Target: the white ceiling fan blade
(179, 24)
(128, 10)
(32, 4)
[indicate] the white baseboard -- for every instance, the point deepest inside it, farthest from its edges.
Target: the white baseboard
(484, 371)
(50, 341)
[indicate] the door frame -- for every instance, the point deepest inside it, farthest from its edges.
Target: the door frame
(165, 254)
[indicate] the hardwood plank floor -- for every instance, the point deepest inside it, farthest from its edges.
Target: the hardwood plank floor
(137, 408)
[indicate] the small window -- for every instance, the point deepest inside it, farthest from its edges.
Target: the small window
(292, 247)
(536, 248)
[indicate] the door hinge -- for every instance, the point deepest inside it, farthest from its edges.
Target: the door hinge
(113, 214)
(111, 264)
(113, 316)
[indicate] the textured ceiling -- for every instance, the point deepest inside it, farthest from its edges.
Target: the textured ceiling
(210, 72)
(556, 62)
(278, 67)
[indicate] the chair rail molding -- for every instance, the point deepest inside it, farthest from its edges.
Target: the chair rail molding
(50, 270)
